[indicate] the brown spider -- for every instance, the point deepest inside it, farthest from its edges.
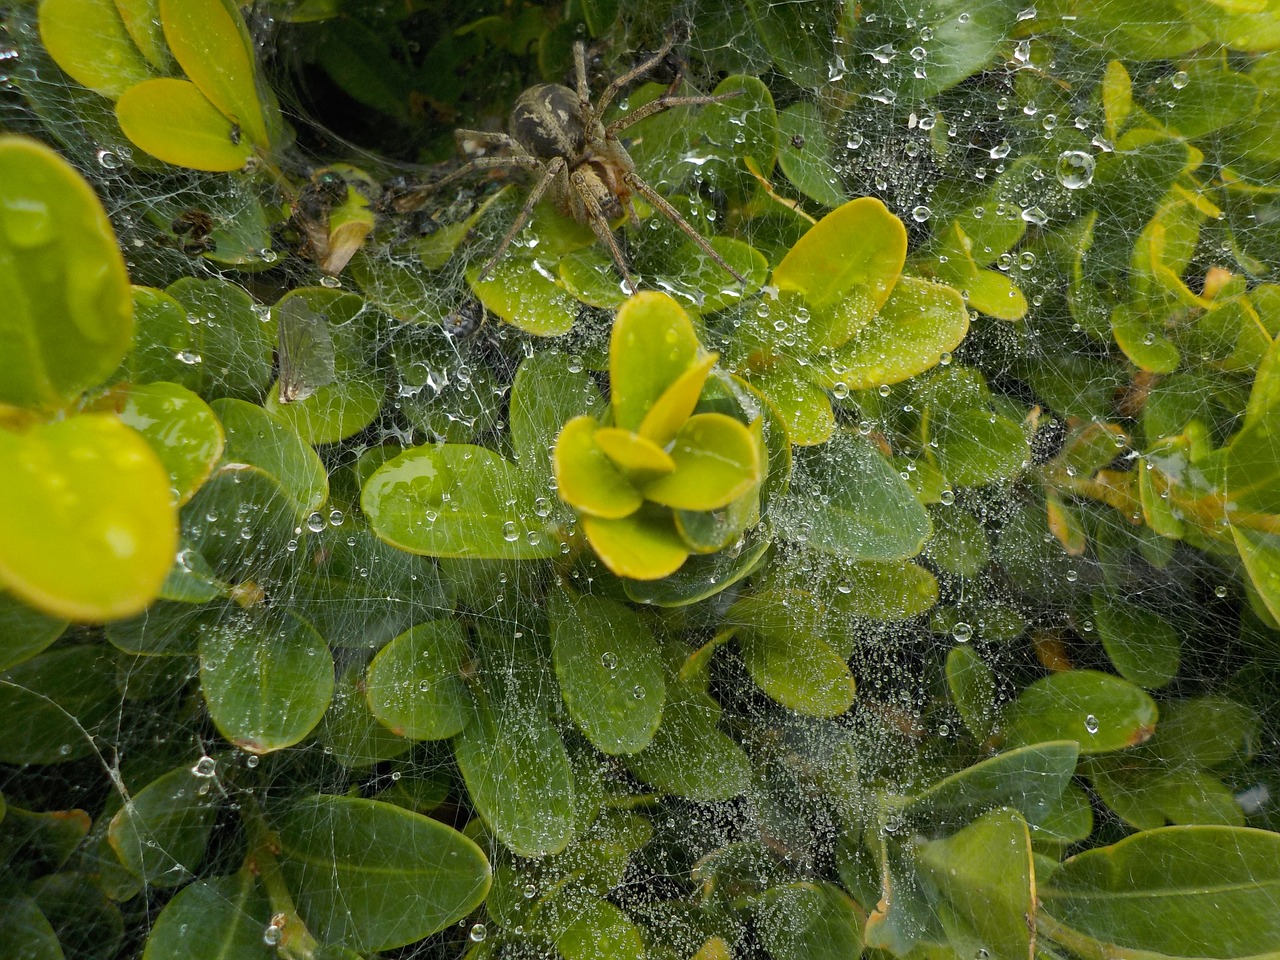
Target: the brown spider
(558, 133)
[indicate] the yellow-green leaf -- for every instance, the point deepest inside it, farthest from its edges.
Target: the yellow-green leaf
(653, 344)
(633, 453)
(858, 244)
(209, 44)
(586, 478)
(88, 530)
(89, 40)
(174, 122)
(717, 461)
(640, 546)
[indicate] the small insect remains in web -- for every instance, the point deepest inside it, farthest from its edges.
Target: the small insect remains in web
(559, 134)
(304, 350)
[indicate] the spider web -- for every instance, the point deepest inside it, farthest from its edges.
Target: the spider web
(1023, 136)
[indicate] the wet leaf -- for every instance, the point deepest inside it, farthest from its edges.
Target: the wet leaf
(859, 245)
(162, 832)
(175, 122)
(54, 702)
(181, 429)
(1099, 711)
(414, 686)
(215, 919)
(88, 530)
(256, 437)
(1186, 892)
(267, 679)
(211, 44)
(376, 876)
(89, 40)
(456, 500)
(610, 674)
(68, 315)
(518, 774)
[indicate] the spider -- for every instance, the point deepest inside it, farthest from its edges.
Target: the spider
(558, 134)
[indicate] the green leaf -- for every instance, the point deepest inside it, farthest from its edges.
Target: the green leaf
(414, 686)
(973, 690)
(976, 447)
(744, 126)
(162, 832)
(805, 156)
(376, 876)
(1099, 711)
(1170, 892)
(27, 930)
(231, 345)
(917, 324)
(800, 672)
(1205, 98)
(1143, 646)
(635, 455)
(610, 674)
(211, 44)
(53, 704)
(518, 774)
(89, 40)
(523, 296)
(142, 20)
(24, 632)
(266, 678)
(809, 921)
(641, 546)
(241, 522)
(858, 245)
(88, 530)
(689, 755)
(257, 437)
(597, 930)
(848, 501)
(986, 885)
(652, 344)
(587, 478)
(716, 462)
(68, 314)
(549, 390)
(455, 500)
(1030, 779)
(181, 429)
(803, 406)
(351, 734)
(215, 919)
(174, 121)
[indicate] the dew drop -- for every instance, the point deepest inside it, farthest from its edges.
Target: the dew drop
(962, 632)
(1091, 723)
(1075, 169)
(478, 933)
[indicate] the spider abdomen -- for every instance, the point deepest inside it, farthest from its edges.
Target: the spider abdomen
(546, 121)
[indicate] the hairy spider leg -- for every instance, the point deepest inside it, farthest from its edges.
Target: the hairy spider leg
(661, 104)
(413, 199)
(615, 86)
(552, 169)
(600, 225)
(672, 214)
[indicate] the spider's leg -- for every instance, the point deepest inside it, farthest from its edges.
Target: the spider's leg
(549, 172)
(600, 225)
(672, 214)
(615, 86)
(489, 139)
(580, 74)
(414, 198)
(661, 104)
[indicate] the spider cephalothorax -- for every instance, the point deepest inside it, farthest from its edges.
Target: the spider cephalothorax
(558, 133)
